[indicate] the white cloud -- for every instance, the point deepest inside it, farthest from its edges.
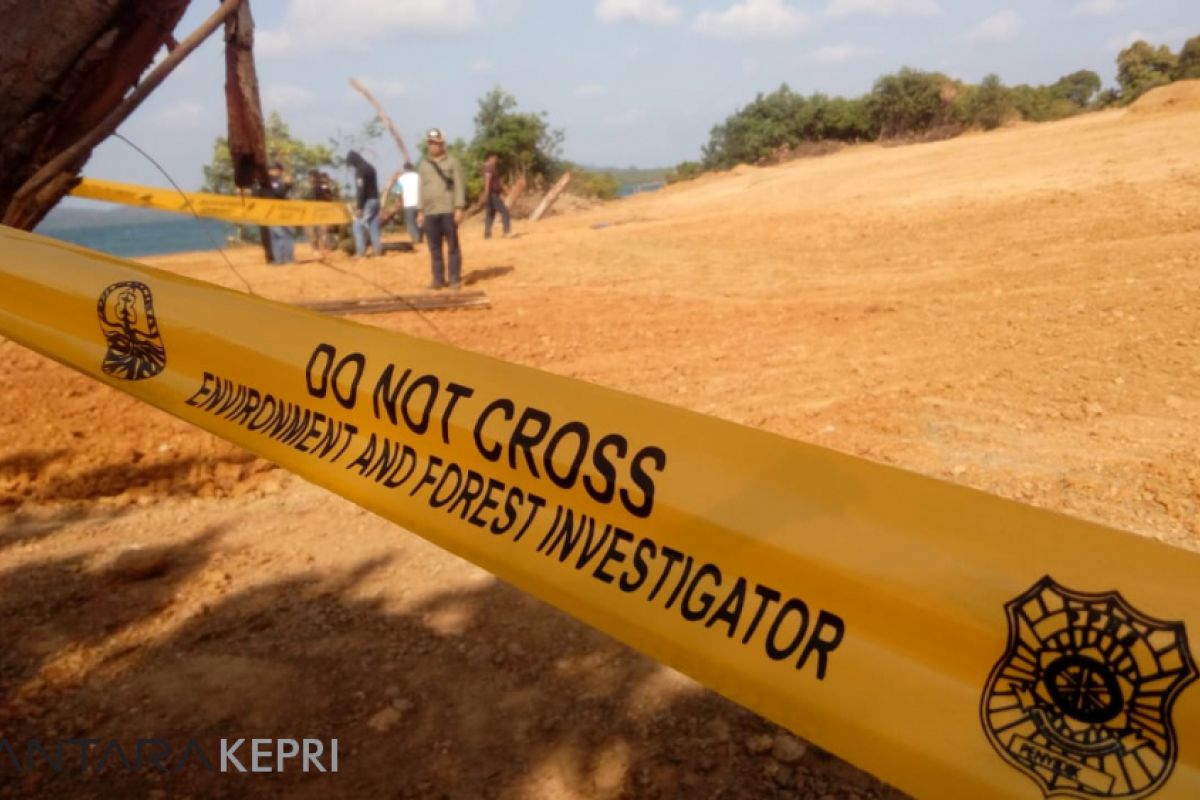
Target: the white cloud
(753, 19)
(482, 66)
(840, 53)
(313, 26)
(1002, 26)
(179, 115)
(652, 12)
(590, 90)
(1098, 8)
(387, 89)
(282, 97)
(884, 8)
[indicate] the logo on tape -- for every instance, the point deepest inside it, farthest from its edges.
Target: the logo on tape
(135, 347)
(1081, 700)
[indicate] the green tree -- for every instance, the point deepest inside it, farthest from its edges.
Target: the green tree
(753, 133)
(1078, 88)
(297, 156)
(1141, 67)
(990, 104)
(1189, 60)
(912, 101)
(523, 140)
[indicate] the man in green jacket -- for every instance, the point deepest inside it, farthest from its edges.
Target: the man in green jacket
(443, 201)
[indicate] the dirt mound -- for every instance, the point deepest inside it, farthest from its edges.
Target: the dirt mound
(1172, 98)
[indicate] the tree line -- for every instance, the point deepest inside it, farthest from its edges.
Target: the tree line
(917, 105)
(525, 141)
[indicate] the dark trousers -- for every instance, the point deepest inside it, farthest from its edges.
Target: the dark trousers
(437, 228)
(495, 204)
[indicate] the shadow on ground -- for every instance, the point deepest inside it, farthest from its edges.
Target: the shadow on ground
(485, 274)
(481, 692)
(54, 477)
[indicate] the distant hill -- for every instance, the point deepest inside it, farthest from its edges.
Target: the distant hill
(74, 218)
(633, 174)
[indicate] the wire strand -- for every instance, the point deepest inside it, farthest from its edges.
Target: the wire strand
(192, 209)
(390, 293)
(433, 326)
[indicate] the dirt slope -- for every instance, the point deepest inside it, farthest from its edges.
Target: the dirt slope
(1016, 311)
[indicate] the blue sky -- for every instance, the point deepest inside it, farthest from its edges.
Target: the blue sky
(632, 82)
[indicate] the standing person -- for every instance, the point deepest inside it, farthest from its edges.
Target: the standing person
(320, 188)
(443, 202)
(493, 192)
(279, 187)
(410, 192)
(366, 217)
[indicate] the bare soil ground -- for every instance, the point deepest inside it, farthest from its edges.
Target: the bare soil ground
(1017, 311)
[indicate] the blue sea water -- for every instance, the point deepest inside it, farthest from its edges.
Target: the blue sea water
(628, 189)
(148, 238)
(184, 234)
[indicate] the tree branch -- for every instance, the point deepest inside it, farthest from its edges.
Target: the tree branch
(387, 121)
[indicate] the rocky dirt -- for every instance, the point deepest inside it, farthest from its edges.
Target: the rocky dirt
(1017, 311)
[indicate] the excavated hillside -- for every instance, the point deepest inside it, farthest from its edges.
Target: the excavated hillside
(1017, 311)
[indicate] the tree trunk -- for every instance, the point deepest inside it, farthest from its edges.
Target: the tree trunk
(551, 196)
(64, 66)
(515, 192)
(247, 133)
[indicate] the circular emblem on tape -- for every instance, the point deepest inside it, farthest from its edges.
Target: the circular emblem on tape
(135, 347)
(1081, 699)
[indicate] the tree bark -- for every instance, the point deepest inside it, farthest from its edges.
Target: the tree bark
(64, 67)
(247, 133)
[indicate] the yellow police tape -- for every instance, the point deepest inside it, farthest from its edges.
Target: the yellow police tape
(953, 643)
(243, 210)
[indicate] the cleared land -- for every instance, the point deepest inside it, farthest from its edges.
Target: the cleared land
(1017, 311)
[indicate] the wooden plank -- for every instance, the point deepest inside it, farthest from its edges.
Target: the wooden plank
(550, 197)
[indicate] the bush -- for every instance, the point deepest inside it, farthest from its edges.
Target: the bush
(585, 183)
(989, 105)
(913, 102)
(1041, 103)
(1142, 67)
(1189, 60)
(686, 171)
(1078, 88)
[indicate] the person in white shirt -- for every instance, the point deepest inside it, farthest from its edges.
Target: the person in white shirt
(409, 186)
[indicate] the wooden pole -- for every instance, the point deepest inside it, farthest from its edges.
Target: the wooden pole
(387, 121)
(64, 160)
(550, 197)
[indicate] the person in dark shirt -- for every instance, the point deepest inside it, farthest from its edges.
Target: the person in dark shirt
(278, 187)
(493, 191)
(366, 215)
